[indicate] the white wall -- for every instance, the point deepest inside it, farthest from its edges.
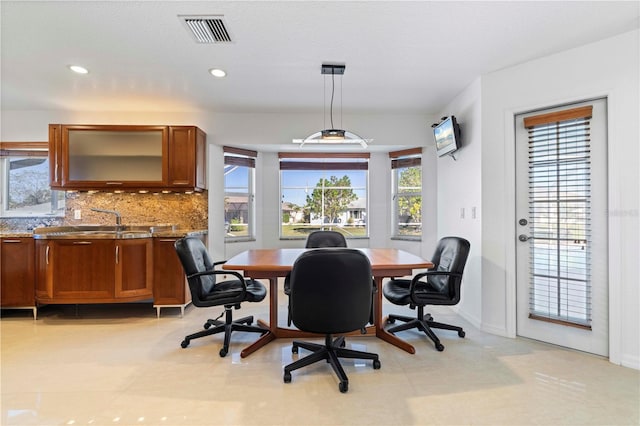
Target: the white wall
(607, 68)
(459, 193)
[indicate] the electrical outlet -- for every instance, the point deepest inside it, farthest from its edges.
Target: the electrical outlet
(77, 214)
(461, 212)
(473, 212)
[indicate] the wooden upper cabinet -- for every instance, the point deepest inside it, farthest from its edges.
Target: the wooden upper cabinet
(127, 157)
(187, 157)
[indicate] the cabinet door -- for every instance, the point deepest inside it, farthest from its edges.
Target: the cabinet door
(44, 275)
(55, 155)
(113, 157)
(182, 156)
(201, 159)
(169, 281)
(17, 272)
(134, 268)
(82, 270)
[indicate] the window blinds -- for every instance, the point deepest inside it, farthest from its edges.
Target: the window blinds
(559, 213)
(324, 161)
(406, 158)
(239, 157)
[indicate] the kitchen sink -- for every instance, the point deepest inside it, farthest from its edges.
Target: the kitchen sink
(92, 232)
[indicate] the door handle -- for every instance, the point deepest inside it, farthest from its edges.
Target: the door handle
(524, 238)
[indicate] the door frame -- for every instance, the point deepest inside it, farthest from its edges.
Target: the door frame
(510, 230)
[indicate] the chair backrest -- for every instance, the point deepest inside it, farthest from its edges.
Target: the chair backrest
(195, 258)
(450, 255)
(331, 290)
(319, 239)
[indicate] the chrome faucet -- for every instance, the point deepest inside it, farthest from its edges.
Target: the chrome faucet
(118, 217)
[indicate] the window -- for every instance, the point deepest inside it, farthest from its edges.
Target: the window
(239, 167)
(323, 191)
(24, 180)
(406, 167)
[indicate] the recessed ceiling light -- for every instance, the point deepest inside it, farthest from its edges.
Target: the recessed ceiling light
(217, 72)
(78, 69)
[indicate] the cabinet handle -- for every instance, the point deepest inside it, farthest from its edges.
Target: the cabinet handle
(117, 254)
(46, 255)
(10, 241)
(167, 240)
(82, 242)
(55, 173)
(113, 183)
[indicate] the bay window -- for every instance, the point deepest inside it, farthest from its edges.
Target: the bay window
(406, 167)
(239, 177)
(321, 191)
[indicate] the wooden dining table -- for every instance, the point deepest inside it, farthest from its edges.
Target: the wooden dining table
(271, 264)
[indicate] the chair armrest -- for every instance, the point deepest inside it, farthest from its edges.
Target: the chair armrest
(416, 278)
(220, 262)
(424, 274)
(220, 272)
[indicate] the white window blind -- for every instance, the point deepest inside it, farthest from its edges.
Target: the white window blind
(559, 212)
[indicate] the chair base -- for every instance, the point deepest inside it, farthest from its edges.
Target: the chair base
(228, 326)
(331, 351)
(425, 323)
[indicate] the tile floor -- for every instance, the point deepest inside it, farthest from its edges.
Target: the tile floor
(120, 365)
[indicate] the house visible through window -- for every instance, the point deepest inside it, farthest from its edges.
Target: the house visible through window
(239, 166)
(24, 171)
(323, 191)
(406, 167)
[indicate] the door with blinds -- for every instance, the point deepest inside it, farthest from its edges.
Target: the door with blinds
(561, 230)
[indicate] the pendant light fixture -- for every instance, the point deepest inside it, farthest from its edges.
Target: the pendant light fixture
(333, 136)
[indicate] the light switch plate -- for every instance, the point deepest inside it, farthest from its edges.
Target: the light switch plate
(77, 214)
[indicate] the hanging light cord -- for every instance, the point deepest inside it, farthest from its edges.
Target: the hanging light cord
(333, 86)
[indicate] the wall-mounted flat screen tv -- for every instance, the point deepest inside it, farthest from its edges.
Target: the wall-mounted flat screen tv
(447, 136)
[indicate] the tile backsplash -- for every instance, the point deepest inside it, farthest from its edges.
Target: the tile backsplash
(185, 211)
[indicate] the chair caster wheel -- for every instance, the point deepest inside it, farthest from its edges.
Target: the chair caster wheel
(461, 334)
(390, 321)
(440, 347)
(184, 343)
(294, 349)
(287, 377)
(223, 352)
(343, 344)
(207, 325)
(376, 364)
(343, 386)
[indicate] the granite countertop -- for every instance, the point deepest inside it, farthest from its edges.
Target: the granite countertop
(178, 233)
(160, 233)
(15, 233)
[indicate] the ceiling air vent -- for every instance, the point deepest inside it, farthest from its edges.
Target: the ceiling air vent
(207, 29)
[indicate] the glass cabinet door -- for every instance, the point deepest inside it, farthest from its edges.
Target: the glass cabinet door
(116, 156)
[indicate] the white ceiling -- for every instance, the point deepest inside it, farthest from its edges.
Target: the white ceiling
(401, 57)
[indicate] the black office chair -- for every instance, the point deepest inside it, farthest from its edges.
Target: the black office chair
(317, 239)
(331, 293)
(206, 292)
(441, 287)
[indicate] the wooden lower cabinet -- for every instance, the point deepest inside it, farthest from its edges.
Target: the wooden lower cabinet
(93, 270)
(134, 268)
(170, 288)
(17, 274)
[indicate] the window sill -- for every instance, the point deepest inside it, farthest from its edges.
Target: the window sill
(6, 215)
(417, 239)
(239, 240)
